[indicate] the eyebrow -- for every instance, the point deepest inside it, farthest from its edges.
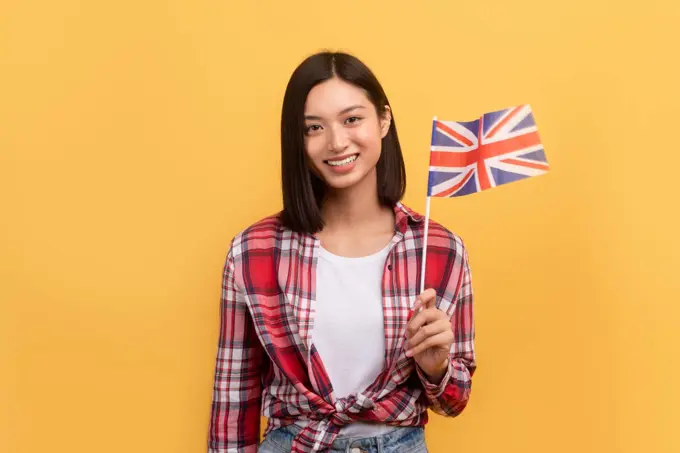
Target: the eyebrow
(348, 109)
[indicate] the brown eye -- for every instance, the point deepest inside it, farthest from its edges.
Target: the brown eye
(352, 119)
(312, 128)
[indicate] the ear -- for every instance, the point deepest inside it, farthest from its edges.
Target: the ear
(385, 121)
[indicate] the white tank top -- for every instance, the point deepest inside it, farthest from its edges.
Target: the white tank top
(348, 330)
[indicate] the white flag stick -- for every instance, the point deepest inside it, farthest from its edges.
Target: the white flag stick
(427, 217)
(427, 224)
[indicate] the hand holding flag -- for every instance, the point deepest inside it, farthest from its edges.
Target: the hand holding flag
(429, 337)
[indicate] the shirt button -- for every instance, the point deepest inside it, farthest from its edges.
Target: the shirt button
(389, 268)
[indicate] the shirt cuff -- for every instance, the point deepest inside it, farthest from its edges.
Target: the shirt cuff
(433, 391)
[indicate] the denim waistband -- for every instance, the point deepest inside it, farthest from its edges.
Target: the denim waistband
(399, 438)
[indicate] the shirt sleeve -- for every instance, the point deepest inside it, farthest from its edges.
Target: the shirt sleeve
(237, 390)
(451, 395)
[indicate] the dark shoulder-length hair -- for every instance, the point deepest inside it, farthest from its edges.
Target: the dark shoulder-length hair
(303, 191)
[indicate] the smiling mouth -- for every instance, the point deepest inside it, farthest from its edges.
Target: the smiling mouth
(342, 161)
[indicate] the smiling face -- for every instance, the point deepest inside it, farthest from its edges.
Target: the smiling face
(343, 133)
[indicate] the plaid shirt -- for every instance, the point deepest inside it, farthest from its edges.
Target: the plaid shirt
(266, 359)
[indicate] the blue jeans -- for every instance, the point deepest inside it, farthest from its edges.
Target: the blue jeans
(398, 440)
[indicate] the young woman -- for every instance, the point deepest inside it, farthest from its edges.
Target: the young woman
(323, 327)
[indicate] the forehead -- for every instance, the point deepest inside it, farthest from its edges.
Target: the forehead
(332, 96)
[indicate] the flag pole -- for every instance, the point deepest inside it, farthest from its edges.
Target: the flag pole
(427, 213)
(427, 224)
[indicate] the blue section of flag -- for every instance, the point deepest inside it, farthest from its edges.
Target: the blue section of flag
(490, 119)
(504, 177)
(538, 156)
(438, 177)
(469, 187)
(441, 139)
(472, 126)
(528, 121)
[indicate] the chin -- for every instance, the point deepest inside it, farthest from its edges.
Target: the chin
(340, 185)
(343, 182)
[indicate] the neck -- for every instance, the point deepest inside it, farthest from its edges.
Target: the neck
(355, 207)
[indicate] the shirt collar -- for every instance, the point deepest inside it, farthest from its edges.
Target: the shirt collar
(403, 215)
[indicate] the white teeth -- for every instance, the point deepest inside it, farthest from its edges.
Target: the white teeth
(337, 163)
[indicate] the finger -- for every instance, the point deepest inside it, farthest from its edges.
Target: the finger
(441, 339)
(414, 310)
(427, 331)
(425, 299)
(429, 296)
(425, 316)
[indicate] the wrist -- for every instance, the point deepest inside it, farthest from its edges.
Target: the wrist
(435, 376)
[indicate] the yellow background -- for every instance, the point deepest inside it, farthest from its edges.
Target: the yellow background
(137, 137)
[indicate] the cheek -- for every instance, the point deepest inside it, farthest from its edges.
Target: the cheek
(314, 147)
(369, 138)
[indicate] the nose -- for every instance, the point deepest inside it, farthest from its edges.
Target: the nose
(338, 140)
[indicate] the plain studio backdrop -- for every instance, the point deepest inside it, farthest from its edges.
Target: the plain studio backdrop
(137, 138)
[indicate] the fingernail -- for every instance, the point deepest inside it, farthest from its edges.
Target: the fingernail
(409, 353)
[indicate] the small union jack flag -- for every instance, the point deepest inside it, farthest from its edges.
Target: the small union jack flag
(498, 148)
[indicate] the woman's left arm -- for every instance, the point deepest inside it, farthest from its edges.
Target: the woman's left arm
(444, 349)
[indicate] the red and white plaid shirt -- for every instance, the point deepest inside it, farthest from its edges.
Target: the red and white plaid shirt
(266, 358)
